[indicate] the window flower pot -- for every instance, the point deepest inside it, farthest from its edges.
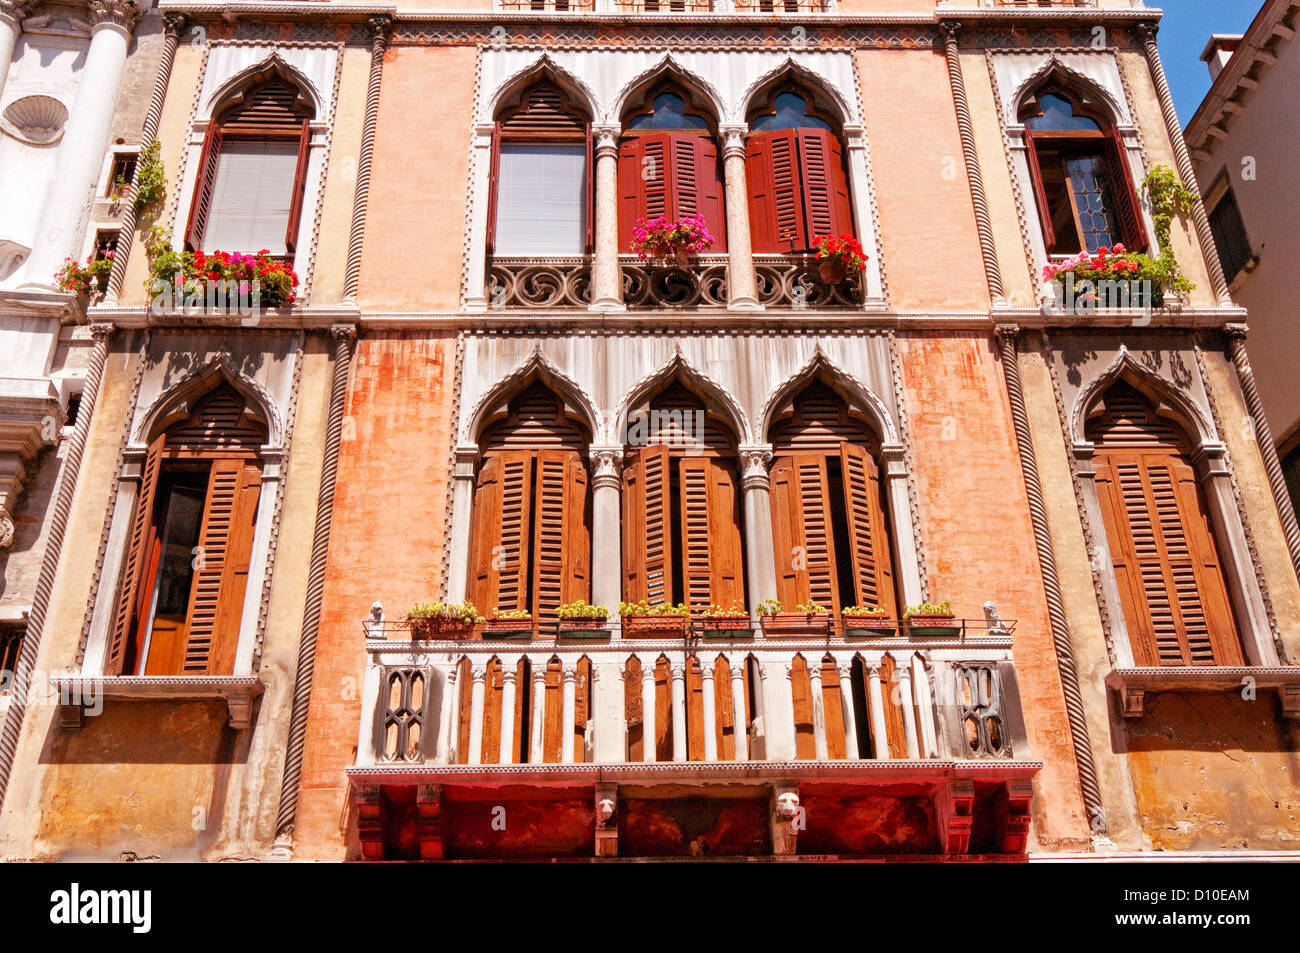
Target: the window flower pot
(440, 629)
(508, 628)
(589, 629)
(790, 624)
(655, 626)
(869, 626)
(942, 626)
(831, 270)
(725, 627)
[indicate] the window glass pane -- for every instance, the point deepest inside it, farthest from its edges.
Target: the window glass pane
(1230, 235)
(669, 113)
(791, 112)
(1058, 114)
(251, 197)
(1092, 201)
(542, 199)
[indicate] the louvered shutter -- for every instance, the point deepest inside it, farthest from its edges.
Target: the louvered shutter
(560, 530)
(1121, 541)
(873, 575)
(825, 191)
(577, 539)
(205, 179)
(642, 183)
(710, 533)
(1040, 193)
(502, 500)
(494, 178)
(299, 187)
(697, 184)
(801, 526)
(134, 590)
(633, 527)
(1216, 608)
(1123, 194)
(221, 573)
(776, 204)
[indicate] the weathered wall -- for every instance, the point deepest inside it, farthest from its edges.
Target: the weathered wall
(385, 546)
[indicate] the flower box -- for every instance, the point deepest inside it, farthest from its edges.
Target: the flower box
(658, 626)
(943, 626)
(789, 624)
(837, 255)
(726, 627)
(436, 629)
(868, 626)
(519, 628)
(590, 629)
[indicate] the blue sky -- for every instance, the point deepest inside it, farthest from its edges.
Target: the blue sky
(1184, 31)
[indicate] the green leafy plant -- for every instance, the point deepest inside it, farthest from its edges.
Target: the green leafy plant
(1169, 197)
(274, 282)
(644, 608)
(929, 608)
(812, 608)
(769, 607)
(78, 279)
(734, 611)
(150, 178)
(461, 613)
(866, 612)
(582, 611)
(511, 614)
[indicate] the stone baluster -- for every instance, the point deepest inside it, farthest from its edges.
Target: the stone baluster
(537, 723)
(879, 735)
(679, 711)
(820, 749)
(479, 674)
(648, 752)
(569, 681)
(845, 672)
(903, 671)
(507, 755)
(737, 671)
(710, 711)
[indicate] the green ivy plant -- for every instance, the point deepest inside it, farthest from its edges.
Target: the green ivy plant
(150, 179)
(1169, 197)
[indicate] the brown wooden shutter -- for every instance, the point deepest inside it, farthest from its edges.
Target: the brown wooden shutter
(561, 542)
(873, 574)
(802, 533)
(647, 524)
(711, 553)
(1123, 194)
(299, 187)
(503, 497)
(633, 527)
(825, 191)
(135, 589)
(1040, 193)
(776, 206)
(205, 179)
(577, 539)
(494, 180)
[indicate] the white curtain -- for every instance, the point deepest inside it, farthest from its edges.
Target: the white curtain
(251, 197)
(542, 200)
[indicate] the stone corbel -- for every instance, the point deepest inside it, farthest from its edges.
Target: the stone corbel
(1020, 791)
(428, 821)
(954, 807)
(787, 819)
(370, 820)
(24, 432)
(606, 820)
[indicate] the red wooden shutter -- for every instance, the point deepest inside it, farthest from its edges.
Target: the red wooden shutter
(299, 187)
(642, 183)
(711, 554)
(776, 206)
(1123, 194)
(494, 178)
(868, 538)
(135, 589)
(560, 530)
(1040, 193)
(697, 184)
(205, 179)
(221, 573)
(825, 191)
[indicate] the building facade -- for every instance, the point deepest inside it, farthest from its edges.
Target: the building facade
(482, 393)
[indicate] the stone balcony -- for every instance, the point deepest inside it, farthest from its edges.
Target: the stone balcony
(843, 746)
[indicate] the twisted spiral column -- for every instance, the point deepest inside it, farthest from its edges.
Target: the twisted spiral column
(1184, 161)
(13, 721)
(1264, 437)
(378, 43)
(974, 177)
(1052, 585)
(173, 25)
(343, 335)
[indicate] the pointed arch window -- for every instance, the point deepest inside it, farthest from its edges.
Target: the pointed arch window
(794, 166)
(185, 573)
(541, 200)
(681, 505)
(669, 165)
(1162, 546)
(831, 536)
(253, 172)
(1082, 185)
(531, 519)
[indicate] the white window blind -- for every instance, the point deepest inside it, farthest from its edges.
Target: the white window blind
(251, 197)
(542, 199)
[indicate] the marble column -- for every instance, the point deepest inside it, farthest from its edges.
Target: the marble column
(569, 681)
(11, 26)
(507, 755)
(760, 560)
(820, 749)
(903, 672)
(879, 735)
(85, 137)
(606, 276)
(845, 672)
(462, 502)
(648, 752)
(679, 711)
(537, 723)
(710, 711)
(448, 722)
(742, 285)
(737, 670)
(479, 673)
(606, 527)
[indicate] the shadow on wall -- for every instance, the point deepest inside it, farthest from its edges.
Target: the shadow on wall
(143, 732)
(1204, 722)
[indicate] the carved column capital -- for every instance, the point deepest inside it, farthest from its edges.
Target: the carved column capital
(478, 673)
(466, 458)
(1148, 29)
(754, 464)
(1008, 332)
(508, 676)
(845, 670)
(13, 11)
(343, 332)
(123, 14)
(379, 26)
(569, 675)
(678, 670)
(949, 30)
(1236, 332)
(733, 140)
(605, 139)
(608, 467)
(174, 24)
(648, 671)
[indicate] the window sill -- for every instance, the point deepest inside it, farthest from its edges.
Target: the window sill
(238, 692)
(1132, 684)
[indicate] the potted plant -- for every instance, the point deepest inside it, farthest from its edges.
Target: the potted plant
(184, 280)
(80, 280)
(671, 241)
(509, 624)
(932, 619)
(728, 623)
(580, 620)
(436, 620)
(807, 618)
(664, 621)
(860, 621)
(1111, 277)
(839, 256)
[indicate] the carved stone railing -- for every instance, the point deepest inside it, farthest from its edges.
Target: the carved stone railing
(650, 284)
(539, 282)
(794, 282)
(825, 698)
